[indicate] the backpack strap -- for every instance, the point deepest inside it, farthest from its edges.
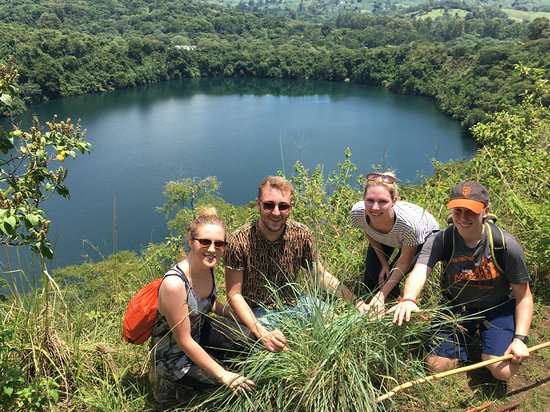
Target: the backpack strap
(448, 243)
(490, 217)
(497, 241)
(181, 273)
(497, 244)
(212, 296)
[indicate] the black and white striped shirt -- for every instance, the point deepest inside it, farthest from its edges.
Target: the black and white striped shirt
(413, 224)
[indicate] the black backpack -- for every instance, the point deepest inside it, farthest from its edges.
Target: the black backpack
(497, 243)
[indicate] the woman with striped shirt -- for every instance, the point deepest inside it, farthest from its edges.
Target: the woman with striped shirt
(392, 227)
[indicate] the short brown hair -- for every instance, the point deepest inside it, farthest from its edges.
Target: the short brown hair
(277, 182)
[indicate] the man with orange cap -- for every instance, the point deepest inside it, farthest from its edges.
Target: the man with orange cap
(495, 294)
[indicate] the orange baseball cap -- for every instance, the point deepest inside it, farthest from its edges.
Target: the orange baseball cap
(470, 195)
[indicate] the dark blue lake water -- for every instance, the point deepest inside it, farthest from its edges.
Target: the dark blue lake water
(238, 130)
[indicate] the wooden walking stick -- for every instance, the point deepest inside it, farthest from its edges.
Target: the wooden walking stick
(454, 372)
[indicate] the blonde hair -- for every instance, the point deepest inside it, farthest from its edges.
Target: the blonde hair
(277, 182)
(380, 181)
(207, 216)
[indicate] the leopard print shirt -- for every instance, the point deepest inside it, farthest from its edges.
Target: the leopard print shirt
(269, 266)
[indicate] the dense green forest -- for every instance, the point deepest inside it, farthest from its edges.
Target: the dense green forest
(465, 63)
(323, 8)
(60, 346)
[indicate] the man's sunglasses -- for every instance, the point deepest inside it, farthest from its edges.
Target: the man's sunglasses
(283, 207)
(385, 178)
(207, 242)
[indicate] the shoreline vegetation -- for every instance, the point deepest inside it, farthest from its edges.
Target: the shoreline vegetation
(61, 347)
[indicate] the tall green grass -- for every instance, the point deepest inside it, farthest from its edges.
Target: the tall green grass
(338, 360)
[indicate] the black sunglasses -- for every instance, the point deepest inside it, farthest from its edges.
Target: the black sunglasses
(385, 178)
(207, 242)
(283, 207)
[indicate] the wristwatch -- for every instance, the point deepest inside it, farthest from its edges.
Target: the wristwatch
(522, 338)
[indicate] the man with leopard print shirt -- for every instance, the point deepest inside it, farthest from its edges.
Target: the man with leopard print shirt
(267, 255)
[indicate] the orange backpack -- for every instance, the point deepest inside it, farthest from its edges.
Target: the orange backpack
(141, 312)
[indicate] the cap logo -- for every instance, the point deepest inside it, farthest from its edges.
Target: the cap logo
(466, 191)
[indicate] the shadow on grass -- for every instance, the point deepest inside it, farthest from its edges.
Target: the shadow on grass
(482, 381)
(139, 383)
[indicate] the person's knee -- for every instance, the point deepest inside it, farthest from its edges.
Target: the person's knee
(501, 374)
(440, 364)
(501, 371)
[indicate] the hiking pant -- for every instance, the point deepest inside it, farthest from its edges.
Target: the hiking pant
(373, 268)
(495, 325)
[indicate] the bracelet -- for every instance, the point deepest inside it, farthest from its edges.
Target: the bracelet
(396, 268)
(408, 300)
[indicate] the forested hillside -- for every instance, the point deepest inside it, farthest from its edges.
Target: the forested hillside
(324, 8)
(466, 64)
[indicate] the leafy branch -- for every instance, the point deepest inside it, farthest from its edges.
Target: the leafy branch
(31, 168)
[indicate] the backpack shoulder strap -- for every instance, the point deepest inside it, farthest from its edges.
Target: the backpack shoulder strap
(448, 243)
(497, 244)
(180, 272)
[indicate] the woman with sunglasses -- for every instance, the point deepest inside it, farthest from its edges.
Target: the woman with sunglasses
(186, 341)
(390, 224)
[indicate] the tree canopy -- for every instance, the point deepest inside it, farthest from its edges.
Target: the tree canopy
(465, 63)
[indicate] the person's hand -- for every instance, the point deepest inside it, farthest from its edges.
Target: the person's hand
(362, 307)
(519, 351)
(274, 341)
(402, 311)
(236, 383)
(377, 305)
(383, 275)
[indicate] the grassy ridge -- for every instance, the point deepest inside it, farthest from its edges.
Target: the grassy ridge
(516, 15)
(442, 12)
